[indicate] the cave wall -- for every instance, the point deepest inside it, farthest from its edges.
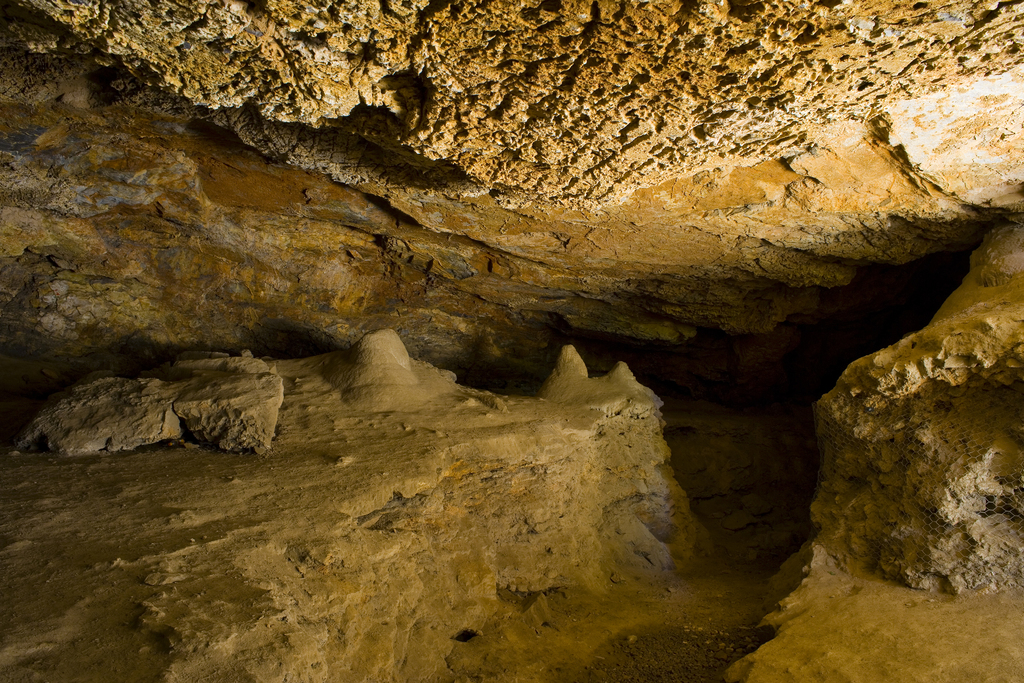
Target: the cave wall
(721, 194)
(921, 445)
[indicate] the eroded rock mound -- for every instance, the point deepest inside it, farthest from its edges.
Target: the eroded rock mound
(377, 374)
(616, 393)
(923, 468)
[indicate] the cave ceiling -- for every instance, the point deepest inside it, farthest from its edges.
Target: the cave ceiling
(231, 173)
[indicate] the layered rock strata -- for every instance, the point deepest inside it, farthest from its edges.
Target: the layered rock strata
(128, 235)
(923, 473)
(398, 515)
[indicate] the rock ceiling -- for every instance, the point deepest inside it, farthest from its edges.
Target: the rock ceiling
(649, 172)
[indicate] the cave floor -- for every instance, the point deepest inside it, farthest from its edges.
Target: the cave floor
(699, 626)
(99, 551)
(687, 627)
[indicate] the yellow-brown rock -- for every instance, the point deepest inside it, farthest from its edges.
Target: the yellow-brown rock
(506, 177)
(921, 442)
(559, 98)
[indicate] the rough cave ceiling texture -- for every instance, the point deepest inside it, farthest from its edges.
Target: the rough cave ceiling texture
(701, 178)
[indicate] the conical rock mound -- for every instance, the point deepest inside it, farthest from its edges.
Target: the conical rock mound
(616, 393)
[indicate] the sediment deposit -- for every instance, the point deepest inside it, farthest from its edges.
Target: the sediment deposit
(396, 516)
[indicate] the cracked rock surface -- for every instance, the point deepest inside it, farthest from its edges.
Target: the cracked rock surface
(230, 402)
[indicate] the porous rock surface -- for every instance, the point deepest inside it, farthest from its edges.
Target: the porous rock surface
(367, 547)
(922, 474)
(516, 176)
(560, 98)
(132, 228)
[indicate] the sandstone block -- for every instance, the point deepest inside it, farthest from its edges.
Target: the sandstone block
(111, 414)
(235, 411)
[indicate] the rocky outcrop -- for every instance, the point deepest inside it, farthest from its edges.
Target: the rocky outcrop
(921, 445)
(842, 628)
(370, 544)
(111, 414)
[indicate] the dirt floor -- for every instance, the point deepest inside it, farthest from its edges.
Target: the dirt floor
(685, 626)
(695, 632)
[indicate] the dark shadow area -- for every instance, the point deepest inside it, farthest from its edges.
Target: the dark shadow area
(881, 306)
(800, 359)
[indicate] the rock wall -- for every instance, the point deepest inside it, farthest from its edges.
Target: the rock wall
(132, 228)
(921, 445)
(690, 182)
(397, 515)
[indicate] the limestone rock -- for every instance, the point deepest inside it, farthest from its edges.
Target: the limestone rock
(616, 393)
(237, 412)
(921, 445)
(377, 373)
(361, 552)
(111, 414)
(563, 99)
(193, 240)
(841, 628)
(231, 402)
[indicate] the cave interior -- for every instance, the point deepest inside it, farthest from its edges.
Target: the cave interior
(494, 341)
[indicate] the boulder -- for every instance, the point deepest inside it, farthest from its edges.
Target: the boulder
(237, 412)
(111, 414)
(230, 402)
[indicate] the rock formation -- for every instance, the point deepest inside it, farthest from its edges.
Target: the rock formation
(736, 197)
(921, 442)
(563, 98)
(680, 176)
(230, 402)
(373, 539)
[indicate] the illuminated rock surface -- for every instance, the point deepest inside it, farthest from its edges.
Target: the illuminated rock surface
(837, 627)
(735, 198)
(230, 402)
(515, 178)
(921, 445)
(364, 546)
